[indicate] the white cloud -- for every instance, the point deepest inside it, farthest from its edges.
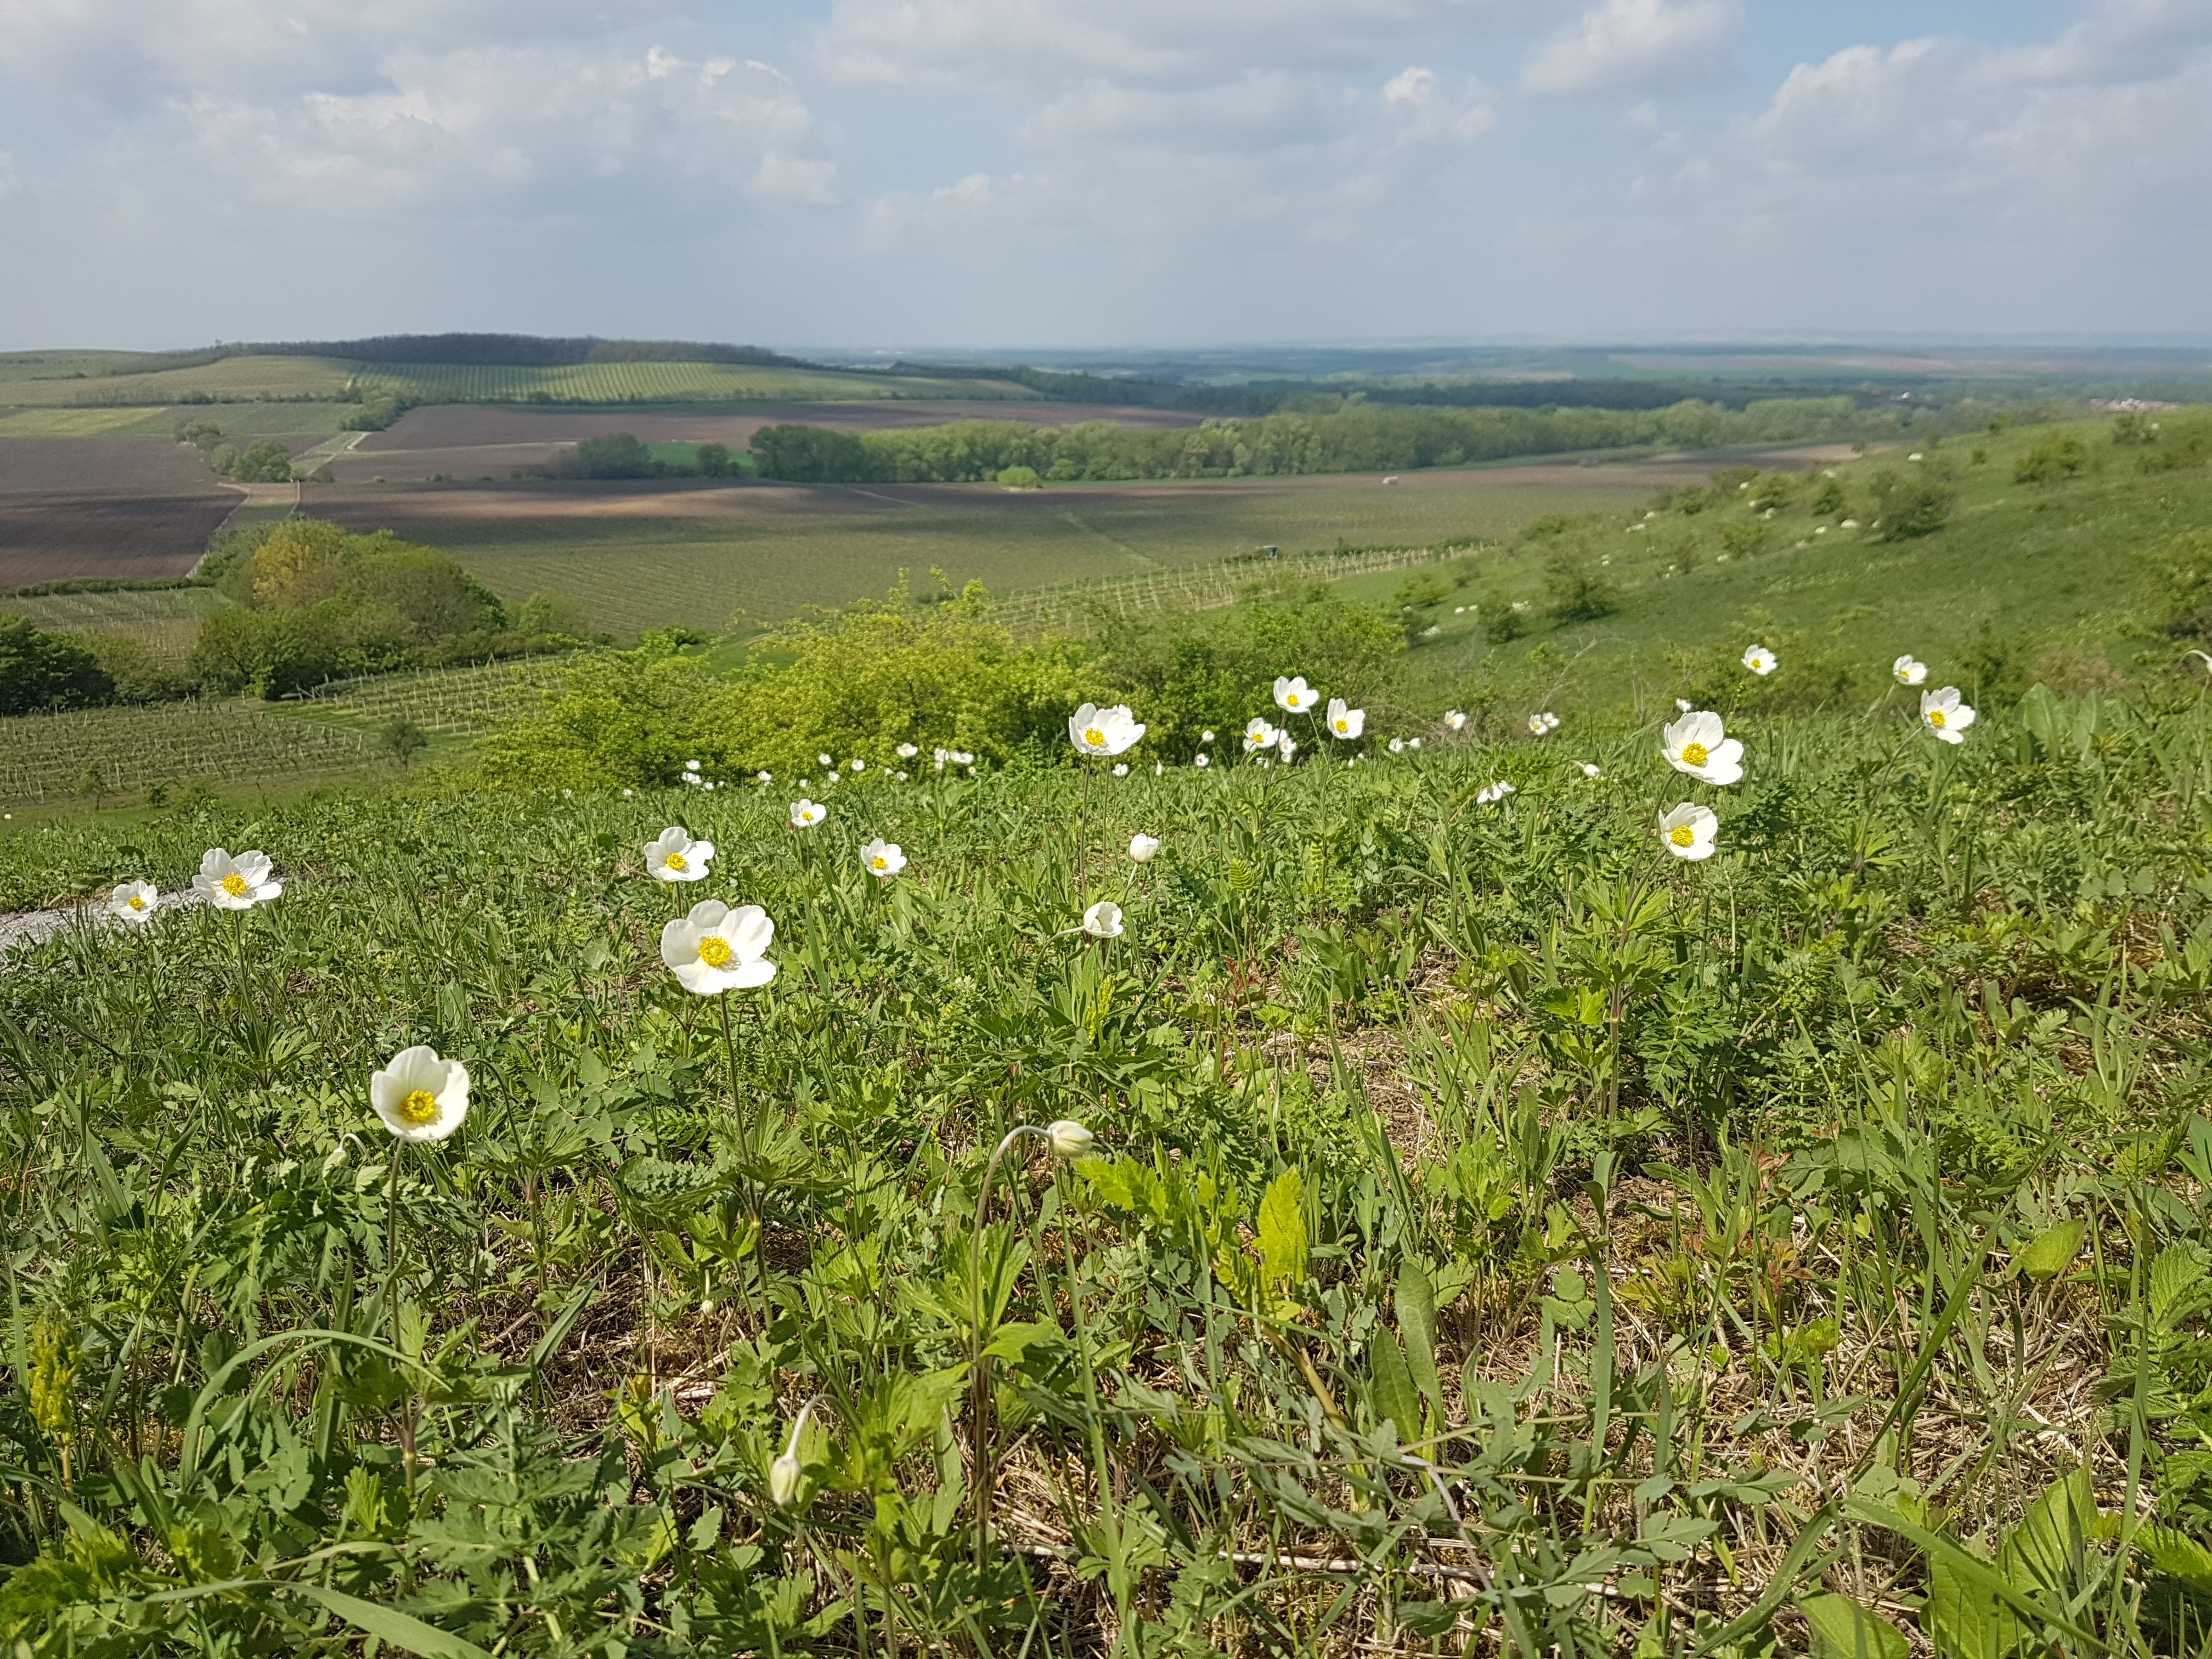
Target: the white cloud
(1634, 46)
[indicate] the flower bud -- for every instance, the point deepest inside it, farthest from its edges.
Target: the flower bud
(1142, 846)
(1070, 1139)
(783, 1481)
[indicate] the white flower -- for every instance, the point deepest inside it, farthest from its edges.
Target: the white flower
(718, 948)
(900, 776)
(1456, 718)
(883, 858)
(964, 758)
(1070, 1139)
(1412, 743)
(1696, 744)
(234, 883)
(1142, 846)
(1536, 726)
(1591, 771)
(1095, 731)
(1688, 831)
(1295, 695)
(1849, 524)
(906, 751)
(420, 1096)
(691, 766)
(1397, 745)
(1908, 670)
(764, 777)
(1203, 761)
(1759, 661)
(1121, 770)
(1947, 717)
(1493, 791)
(1286, 745)
(1682, 705)
(1206, 737)
(824, 760)
(1258, 734)
(134, 900)
(1343, 722)
(783, 1481)
(804, 814)
(1103, 920)
(672, 855)
(857, 764)
(627, 794)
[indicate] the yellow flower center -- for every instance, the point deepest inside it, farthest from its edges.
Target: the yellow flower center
(235, 885)
(1344, 726)
(1095, 738)
(714, 952)
(1696, 754)
(1681, 835)
(135, 902)
(882, 863)
(1290, 701)
(419, 1107)
(1935, 717)
(676, 861)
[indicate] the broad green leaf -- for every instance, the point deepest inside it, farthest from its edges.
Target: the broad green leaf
(1283, 1228)
(2179, 1556)
(403, 1631)
(2044, 1555)
(2175, 1277)
(1390, 1385)
(1417, 1321)
(1842, 1629)
(2048, 1253)
(1122, 1181)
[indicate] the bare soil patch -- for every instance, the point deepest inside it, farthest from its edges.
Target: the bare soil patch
(126, 507)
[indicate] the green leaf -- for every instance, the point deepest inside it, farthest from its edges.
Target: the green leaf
(1122, 1181)
(2048, 1253)
(2179, 1556)
(403, 1631)
(1283, 1228)
(1842, 1629)
(1416, 1322)
(1390, 1385)
(2045, 1553)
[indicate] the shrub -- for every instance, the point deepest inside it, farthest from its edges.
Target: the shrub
(1743, 537)
(1574, 593)
(1907, 505)
(2179, 577)
(1018, 477)
(38, 670)
(2052, 459)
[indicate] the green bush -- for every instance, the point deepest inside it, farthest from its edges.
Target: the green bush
(38, 670)
(1574, 591)
(2052, 460)
(1906, 506)
(2179, 577)
(1018, 477)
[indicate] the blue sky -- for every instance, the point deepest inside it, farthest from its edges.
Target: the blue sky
(979, 173)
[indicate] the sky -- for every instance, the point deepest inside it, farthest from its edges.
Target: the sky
(902, 174)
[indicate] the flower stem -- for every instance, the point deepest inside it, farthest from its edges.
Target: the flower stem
(978, 1373)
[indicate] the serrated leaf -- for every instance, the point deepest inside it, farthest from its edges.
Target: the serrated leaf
(2048, 1253)
(1283, 1229)
(1842, 1629)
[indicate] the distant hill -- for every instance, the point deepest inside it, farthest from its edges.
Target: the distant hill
(475, 350)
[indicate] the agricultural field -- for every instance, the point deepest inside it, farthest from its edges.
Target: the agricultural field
(659, 383)
(1405, 1219)
(240, 378)
(97, 755)
(639, 555)
(166, 619)
(133, 509)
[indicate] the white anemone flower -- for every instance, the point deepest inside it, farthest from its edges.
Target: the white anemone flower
(1206, 737)
(691, 766)
(1759, 661)
(134, 900)
(805, 814)
(1591, 770)
(1259, 735)
(1203, 761)
(906, 751)
(1682, 705)
(1909, 670)
(824, 761)
(235, 883)
(1412, 743)
(1947, 717)
(1121, 770)
(1697, 744)
(420, 1096)
(764, 778)
(1142, 846)
(1397, 745)
(1286, 745)
(1102, 919)
(1492, 792)
(716, 949)
(883, 858)
(672, 855)
(1536, 726)
(1069, 1139)
(1456, 718)
(1095, 731)
(1294, 695)
(1688, 831)
(1345, 723)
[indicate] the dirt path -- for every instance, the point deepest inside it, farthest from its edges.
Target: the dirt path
(37, 927)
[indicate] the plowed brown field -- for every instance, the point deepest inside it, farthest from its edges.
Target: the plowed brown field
(129, 508)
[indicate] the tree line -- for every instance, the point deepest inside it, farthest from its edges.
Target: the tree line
(1358, 437)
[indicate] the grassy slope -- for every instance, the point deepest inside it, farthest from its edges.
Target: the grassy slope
(2040, 564)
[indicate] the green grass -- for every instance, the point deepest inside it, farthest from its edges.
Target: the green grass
(238, 378)
(237, 420)
(2050, 570)
(1482, 1200)
(616, 383)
